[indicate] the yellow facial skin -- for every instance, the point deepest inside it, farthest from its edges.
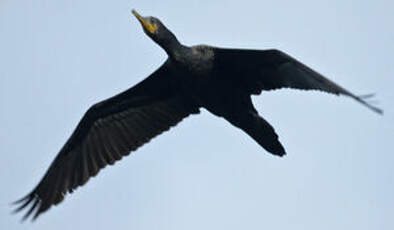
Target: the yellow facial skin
(151, 28)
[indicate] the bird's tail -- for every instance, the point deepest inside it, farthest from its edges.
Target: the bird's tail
(260, 130)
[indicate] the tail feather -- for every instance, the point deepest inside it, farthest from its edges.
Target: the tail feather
(260, 130)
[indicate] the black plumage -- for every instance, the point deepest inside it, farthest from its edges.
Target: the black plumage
(219, 80)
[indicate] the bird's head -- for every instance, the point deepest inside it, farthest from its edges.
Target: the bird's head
(156, 30)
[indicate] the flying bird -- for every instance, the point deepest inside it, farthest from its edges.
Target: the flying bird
(221, 80)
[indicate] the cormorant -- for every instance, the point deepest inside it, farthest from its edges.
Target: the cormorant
(217, 79)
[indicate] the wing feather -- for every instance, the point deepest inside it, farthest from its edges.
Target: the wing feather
(108, 131)
(257, 70)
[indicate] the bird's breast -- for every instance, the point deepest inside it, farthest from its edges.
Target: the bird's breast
(197, 60)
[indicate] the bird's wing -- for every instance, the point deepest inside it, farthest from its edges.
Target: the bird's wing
(258, 70)
(108, 131)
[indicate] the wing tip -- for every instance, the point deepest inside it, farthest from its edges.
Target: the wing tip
(31, 202)
(377, 110)
(362, 100)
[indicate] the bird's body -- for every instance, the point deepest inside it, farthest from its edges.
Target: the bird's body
(194, 72)
(192, 69)
(219, 80)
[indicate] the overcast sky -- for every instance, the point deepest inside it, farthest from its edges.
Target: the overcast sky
(59, 57)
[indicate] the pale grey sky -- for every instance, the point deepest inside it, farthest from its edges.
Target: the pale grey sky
(59, 57)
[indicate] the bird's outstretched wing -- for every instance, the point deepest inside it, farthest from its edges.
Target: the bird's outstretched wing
(108, 131)
(258, 70)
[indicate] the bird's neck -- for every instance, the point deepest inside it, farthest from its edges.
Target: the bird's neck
(172, 46)
(176, 52)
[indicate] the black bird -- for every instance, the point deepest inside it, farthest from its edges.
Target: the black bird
(219, 80)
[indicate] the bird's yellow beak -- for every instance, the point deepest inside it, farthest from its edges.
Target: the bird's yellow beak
(151, 28)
